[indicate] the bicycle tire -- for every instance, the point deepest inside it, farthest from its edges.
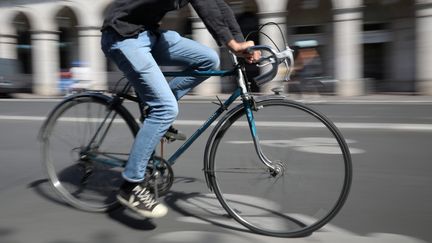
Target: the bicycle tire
(308, 148)
(77, 176)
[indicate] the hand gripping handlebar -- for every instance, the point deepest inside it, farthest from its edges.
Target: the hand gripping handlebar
(274, 59)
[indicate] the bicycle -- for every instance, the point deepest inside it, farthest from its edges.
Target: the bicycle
(277, 166)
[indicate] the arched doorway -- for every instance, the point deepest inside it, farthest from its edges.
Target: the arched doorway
(389, 45)
(68, 37)
(22, 27)
(68, 46)
(24, 50)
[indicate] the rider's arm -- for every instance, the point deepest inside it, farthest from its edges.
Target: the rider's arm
(219, 20)
(230, 20)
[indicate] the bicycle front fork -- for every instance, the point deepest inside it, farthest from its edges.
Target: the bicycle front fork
(250, 106)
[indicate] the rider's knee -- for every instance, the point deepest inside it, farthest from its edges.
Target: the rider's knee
(171, 111)
(212, 61)
(166, 111)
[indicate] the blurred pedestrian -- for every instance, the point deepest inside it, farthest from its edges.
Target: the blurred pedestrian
(308, 69)
(80, 73)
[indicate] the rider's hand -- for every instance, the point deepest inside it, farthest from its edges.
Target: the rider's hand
(240, 49)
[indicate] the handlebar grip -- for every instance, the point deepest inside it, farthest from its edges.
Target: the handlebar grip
(265, 77)
(272, 59)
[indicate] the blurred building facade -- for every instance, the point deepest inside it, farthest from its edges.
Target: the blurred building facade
(366, 45)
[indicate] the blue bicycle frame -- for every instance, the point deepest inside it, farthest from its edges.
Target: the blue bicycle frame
(237, 93)
(248, 106)
(240, 91)
(204, 127)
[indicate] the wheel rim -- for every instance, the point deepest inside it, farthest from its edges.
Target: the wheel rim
(64, 144)
(306, 194)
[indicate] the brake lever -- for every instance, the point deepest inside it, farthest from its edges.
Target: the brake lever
(270, 61)
(288, 72)
(275, 59)
(263, 65)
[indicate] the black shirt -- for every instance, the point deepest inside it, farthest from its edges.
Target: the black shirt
(130, 17)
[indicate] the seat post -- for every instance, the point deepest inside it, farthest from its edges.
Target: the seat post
(162, 143)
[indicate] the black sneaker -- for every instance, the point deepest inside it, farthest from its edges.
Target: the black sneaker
(139, 199)
(173, 134)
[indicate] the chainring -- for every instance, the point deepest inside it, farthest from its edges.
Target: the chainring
(159, 173)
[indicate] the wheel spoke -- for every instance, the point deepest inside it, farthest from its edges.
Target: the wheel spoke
(240, 170)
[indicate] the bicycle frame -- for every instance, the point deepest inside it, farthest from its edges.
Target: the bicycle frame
(204, 127)
(248, 105)
(241, 91)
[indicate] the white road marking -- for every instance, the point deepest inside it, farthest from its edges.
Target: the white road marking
(340, 125)
(318, 145)
(195, 236)
(199, 205)
(22, 118)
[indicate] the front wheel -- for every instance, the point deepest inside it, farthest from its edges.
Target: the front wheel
(311, 173)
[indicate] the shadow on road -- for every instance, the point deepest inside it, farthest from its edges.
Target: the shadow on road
(130, 219)
(43, 188)
(201, 207)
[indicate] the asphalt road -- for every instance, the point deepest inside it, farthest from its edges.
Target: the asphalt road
(390, 200)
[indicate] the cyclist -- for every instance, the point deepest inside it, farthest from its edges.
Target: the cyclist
(132, 39)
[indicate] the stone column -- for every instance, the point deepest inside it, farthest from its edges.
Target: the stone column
(8, 46)
(212, 85)
(402, 58)
(46, 71)
(92, 55)
(272, 11)
(273, 32)
(348, 50)
(424, 47)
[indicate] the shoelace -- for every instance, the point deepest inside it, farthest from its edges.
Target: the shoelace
(144, 196)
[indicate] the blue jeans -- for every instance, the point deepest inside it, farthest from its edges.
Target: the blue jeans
(139, 59)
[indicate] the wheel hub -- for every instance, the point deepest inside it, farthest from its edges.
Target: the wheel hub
(278, 170)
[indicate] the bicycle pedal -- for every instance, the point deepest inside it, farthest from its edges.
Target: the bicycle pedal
(168, 139)
(172, 136)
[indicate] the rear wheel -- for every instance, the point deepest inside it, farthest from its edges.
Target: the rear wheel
(311, 173)
(85, 143)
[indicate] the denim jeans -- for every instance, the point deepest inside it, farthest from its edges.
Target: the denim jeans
(139, 59)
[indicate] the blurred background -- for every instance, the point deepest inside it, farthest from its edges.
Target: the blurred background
(371, 58)
(365, 47)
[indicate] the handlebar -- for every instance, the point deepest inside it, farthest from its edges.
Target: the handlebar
(274, 59)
